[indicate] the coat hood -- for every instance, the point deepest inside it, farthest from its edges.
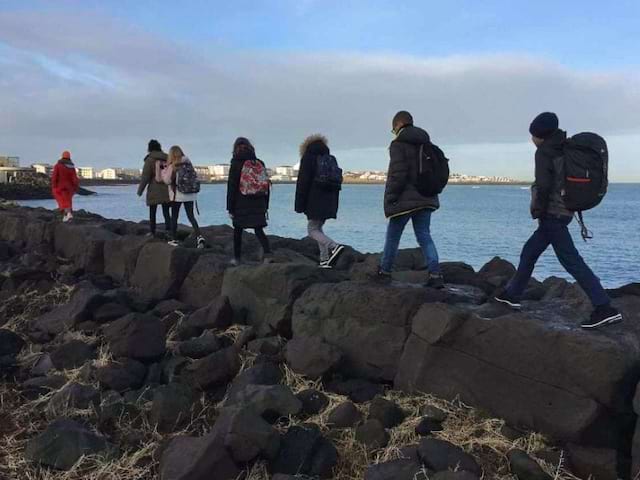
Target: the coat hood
(66, 162)
(553, 145)
(413, 135)
(311, 139)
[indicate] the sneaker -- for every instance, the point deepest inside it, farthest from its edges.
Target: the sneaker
(435, 280)
(235, 262)
(382, 276)
(173, 243)
(601, 316)
(200, 242)
(67, 217)
(508, 300)
(335, 253)
(325, 264)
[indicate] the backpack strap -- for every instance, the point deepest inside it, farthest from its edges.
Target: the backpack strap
(420, 154)
(584, 231)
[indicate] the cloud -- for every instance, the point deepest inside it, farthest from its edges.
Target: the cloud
(103, 88)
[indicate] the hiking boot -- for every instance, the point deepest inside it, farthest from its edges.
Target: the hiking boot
(325, 264)
(509, 300)
(173, 243)
(200, 242)
(435, 280)
(334, 254)
(602, 315)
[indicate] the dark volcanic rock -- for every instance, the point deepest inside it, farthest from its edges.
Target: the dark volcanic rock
(372, 434)
(497, 271)
(368, 323)
(72, 354)
(267, 346)
(63, 443)
(121, 255)
(11, 344)
(428, 425)
(266, 293)
(204, 281)
(531, 372)
(269, 401)
(194, 458)
(345, 415)
(312, 357)
(596, 463)
(249, 436)
(305, 451)
(218, 314)
(82, 244)
(77, 310)
(123, 375)
(137, 336)
(460, 475)
(525, 467)
(439, 455)
(266, 373)
(387, 412)
(171, 407)
(313, 401)
(73, 395)
(358, 390)
(401, 469)
(109, 312)
(39, 386)
(215, 369)
(199, 347)
(166, 307)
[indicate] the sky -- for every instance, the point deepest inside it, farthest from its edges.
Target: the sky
(101, 78)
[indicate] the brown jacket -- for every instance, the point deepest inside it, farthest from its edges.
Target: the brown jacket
(157, 193)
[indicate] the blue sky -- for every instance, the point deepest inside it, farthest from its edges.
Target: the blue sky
(98, 77)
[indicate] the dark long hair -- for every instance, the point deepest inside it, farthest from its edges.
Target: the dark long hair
(242, 144)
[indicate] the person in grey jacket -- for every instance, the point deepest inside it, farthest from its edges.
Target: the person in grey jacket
(403, 201)
(547, 206)
(157, 193)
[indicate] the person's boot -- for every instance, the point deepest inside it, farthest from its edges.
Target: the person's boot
(435, 280)
(601, 316)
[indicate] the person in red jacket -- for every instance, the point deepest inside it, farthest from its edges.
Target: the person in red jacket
(64, 184)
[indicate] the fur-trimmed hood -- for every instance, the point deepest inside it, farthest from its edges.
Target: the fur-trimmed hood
(313, 139)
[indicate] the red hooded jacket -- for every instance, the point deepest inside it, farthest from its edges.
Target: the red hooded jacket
(64, 183)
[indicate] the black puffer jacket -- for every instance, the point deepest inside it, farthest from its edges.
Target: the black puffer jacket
(248, 211)
(401, 195)
(315, 202)
(546, 192)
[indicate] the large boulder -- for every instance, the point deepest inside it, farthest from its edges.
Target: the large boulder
(305, 451)
(214, 370)
(269, 401)
(171, 407)
(137, 335)
(249, 436)
(11, 344)
(368, 323)
(161, 269)
(26, 228)
(217, 314)
(72, 354)
(312, 357)
(121, 376)
(63, 443)
(83, 244)
(121, 256)
(400, 469)
(266, 293)
(542, 373)
(204, 281)
(195, 458)
(439, 455)
(71, 396)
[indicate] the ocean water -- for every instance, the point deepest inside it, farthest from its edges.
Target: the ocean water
(474, 224)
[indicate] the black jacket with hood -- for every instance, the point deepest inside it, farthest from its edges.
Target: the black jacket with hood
(315, 202)
(401, 196)
(249, 211)
(546, 192)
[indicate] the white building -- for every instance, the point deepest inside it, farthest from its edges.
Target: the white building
(43, 168)
(285, 171)
(9, 162)
(130, 173)
(203, 173)
(109, 174)
(219, 171)
(85, 172)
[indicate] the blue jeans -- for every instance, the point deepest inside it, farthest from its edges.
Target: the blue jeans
(421, 226)
(554, 231)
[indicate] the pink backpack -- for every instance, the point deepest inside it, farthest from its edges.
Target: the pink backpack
(254, 180)
(159, 167)
(166, 174)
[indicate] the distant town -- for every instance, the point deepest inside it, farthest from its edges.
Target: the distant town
(10, 170)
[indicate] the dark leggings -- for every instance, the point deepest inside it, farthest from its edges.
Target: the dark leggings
(237, 241)
(175, 212)
(166, 212)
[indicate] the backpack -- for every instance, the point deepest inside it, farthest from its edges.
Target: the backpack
(187, 179)
(166, 174)
(159, 167)
(328, 174)
(585, 165)
(254, 180)
(433, 170)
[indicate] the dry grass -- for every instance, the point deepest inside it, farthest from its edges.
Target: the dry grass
(20, 309)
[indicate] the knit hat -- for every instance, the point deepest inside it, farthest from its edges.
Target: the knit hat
(544, 125)
(66, 155)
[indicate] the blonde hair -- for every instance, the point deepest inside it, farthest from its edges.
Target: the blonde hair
(175, 155)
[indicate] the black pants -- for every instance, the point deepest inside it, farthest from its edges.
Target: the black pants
(237, 241)
(166, 212)
(175, 212)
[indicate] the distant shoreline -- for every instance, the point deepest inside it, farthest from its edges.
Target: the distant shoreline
(115, 183)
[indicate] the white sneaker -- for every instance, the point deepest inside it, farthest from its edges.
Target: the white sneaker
(335, 253)
(325, 265)
(67, 217)
(173, 243)
(200, 242)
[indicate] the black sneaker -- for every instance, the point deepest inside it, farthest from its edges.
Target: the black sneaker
(200, 242)
(325, 265)
(601, 316)
(335, 253)
(506, 299)
(435, 280)
(382, 276)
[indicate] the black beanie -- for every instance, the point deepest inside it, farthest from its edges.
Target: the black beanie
(544, 125)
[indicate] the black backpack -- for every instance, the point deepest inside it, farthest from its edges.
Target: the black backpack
(585, 164)
(433, 170)
(328, 174)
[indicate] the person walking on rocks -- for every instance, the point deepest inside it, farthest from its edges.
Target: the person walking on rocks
(157, 194)
(183, 186)
(248, 192)
(405, 199)
(64, 185)
(318, 194)
(549, 208)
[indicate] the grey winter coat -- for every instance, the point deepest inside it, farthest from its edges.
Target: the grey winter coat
(546, 192)
(401, 196)
(157, 193)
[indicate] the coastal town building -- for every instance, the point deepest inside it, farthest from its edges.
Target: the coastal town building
(220, 171)
(285, 171)
(87, 173)
(203, 173)
(43, 168)
(120, 174)
(9, 162)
